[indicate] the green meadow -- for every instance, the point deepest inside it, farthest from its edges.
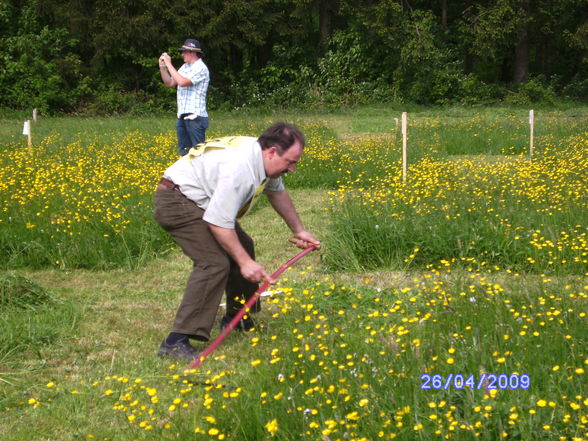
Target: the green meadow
(449, 303)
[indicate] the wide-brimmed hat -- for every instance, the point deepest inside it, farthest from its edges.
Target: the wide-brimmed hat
(191, 45)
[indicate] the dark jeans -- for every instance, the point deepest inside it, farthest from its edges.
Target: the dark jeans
(190, 132)
(213, 272)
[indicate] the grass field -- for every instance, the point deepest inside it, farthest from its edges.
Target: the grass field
(449, 306)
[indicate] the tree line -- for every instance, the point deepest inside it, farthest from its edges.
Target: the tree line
(100, 56)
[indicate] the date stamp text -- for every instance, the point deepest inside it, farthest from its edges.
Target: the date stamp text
(481, 381)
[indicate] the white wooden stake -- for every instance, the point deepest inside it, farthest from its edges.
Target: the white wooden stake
(26, 130)
(532, 124)
(34, 114)
(404, 131)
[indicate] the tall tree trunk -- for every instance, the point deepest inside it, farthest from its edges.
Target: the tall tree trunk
(327, 11)
(236, 60)
(521, 62)
(468, 66)
(444, 13)
(264, 53)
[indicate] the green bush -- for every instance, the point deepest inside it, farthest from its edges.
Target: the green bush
(474, 91)
(344, 68)
(111, 100)
(533, 91)
(39, 66)
(577, 88)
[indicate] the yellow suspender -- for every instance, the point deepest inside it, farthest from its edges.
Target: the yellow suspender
(245, 209)
(227, 142)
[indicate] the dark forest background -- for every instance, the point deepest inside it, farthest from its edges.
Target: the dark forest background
(100, 57)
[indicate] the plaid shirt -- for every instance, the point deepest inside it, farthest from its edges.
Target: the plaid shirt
(192, 99)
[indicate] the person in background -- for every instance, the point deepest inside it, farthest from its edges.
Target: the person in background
(199, 201)
(192, 82)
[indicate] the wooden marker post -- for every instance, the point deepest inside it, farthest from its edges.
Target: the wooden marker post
(404, 131)
(34, 114)
(26, 130)
(532, 124)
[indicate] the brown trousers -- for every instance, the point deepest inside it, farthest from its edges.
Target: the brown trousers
(213, 273)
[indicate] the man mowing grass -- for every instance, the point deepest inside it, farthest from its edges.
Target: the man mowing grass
(199, 201)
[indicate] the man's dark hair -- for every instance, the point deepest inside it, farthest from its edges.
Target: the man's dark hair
(282, 135)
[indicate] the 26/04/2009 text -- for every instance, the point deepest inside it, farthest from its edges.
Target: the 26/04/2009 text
(484, 381)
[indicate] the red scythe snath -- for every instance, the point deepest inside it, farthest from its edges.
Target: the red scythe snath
(227, 330)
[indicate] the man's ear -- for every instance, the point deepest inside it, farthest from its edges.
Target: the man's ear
(273, 150)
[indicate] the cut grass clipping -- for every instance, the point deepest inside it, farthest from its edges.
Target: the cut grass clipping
(21, 293)
(31, 318)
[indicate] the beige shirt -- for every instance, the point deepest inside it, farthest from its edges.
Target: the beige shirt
(223, 181)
